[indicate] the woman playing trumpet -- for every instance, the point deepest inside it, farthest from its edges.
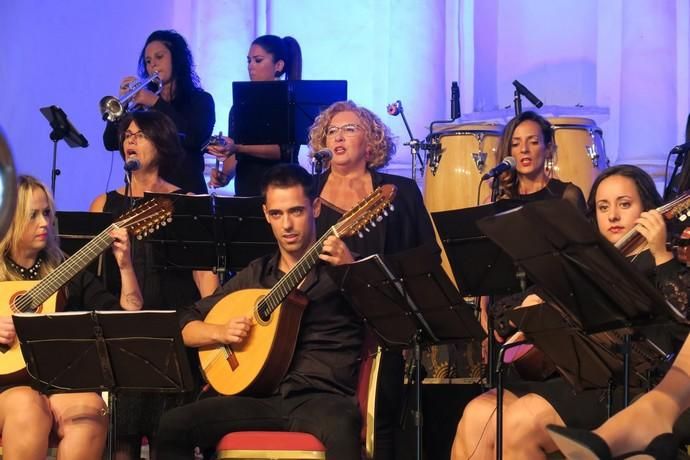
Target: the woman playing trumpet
(181, 98)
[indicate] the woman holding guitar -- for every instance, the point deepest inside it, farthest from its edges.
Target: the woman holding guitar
(30, 251)
(150, 141)
(623, 200)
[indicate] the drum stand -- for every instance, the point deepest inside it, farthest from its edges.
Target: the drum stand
(415, 145)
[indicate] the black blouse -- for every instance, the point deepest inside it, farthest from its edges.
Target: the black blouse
(161, 288)
(194, 118)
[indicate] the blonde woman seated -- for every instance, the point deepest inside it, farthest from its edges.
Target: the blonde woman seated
(28, 419)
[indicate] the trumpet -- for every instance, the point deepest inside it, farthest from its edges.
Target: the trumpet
(113, 108)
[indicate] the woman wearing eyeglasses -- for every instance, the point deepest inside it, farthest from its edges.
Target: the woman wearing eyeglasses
(269, 58)
(361, 145)
(151, 139)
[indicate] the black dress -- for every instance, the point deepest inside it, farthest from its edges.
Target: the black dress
(139, 413)
(407, 227)
(194, 118)
(161, 289)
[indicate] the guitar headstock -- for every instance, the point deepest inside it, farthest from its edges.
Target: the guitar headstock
(367, 211)
(147, 217)
(679, 208)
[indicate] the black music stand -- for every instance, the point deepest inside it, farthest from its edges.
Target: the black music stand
(480, 267)
(110, 351)
(408, 301)
(213, 232)
(76, 228)
(580, 273)
(281, 112)
(61, 129)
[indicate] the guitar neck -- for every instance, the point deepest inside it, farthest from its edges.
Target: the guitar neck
(633, 239)
(66, 271)
(295, 276)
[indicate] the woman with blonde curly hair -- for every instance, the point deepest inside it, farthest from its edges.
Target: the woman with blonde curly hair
(361, 145)
(28, 418)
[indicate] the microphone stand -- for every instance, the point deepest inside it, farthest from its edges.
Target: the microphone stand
(517, 102)
(415, 145)
(128, 187)
(317, 170)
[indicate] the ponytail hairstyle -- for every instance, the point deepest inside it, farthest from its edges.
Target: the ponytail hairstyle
(283, 49)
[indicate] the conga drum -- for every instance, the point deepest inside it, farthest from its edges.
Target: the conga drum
(460, 155)
(458, 158)
(580, 153)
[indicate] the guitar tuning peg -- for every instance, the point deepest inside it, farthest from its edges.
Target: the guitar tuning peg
(360, 234)
(373, 224)
(385, 213)
(683, 218)
(391, 207)
(139, 237)
(367, 229)
(379, 218)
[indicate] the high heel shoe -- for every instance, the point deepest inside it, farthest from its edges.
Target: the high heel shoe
(578, 444)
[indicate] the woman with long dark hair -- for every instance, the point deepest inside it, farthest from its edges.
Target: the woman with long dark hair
(181, 98)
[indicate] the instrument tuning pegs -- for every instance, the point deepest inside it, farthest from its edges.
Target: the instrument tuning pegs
(373, 224)
(379, 218)
(139, 237)
(385, 213)
(360, 234)
(391, 207)
(367, 229)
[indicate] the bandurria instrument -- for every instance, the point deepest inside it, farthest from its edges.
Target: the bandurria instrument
(257, 365)
(43, 296)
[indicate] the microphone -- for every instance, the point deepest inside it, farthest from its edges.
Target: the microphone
(394, 108)
(508, 164)
(681, 148)
(132, 165)
(454, 101)
(322, 155)
(527, 93)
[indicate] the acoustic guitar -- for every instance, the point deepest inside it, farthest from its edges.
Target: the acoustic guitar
(258, 364)
(529, 361)
(44, 296)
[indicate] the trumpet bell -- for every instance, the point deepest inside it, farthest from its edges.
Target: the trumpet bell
(111, 108)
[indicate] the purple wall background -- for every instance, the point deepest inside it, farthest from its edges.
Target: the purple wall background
(625, 61)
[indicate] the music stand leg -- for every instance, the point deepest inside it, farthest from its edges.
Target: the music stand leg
(112, 427)
(418, 393)
(54, 172)
(499, 404)
(626, 371)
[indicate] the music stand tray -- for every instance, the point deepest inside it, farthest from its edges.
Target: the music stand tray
(480, 266)
(213, 232)
(105, 351)
(584, 361)
(281, 112)
(579, 271)
(408, 301)
(110, 351)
